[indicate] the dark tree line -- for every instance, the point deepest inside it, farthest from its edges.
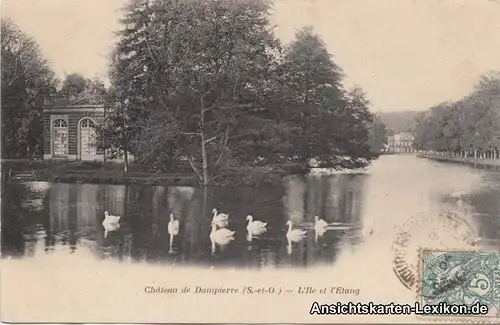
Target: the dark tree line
(469, 127)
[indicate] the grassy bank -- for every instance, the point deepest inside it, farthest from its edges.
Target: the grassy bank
(98, 173)
(476, 162)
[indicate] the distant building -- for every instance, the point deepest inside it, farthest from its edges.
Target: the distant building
(69, 129)
(400, 142)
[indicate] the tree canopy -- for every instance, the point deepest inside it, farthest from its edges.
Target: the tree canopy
(26, 81)
(208, 82)
(74, 84)
(471, 124)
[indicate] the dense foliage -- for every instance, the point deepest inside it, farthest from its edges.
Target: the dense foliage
(468, 127)
(74, 85)
(208, 83)
(26, 81)
(378, 135)
(203, 85)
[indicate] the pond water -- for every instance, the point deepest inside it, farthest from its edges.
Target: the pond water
(42, 219)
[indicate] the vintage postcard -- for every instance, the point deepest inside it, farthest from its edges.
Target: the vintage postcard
(250, 161)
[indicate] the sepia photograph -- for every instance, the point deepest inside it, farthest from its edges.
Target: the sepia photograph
(250, 161)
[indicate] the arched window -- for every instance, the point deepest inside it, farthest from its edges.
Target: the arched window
(87, 123)
(60, 138)
(60, 123)
(87, 139)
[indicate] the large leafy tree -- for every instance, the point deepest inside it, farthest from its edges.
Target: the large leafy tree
(72, 85)
(206, 82)
(312, 85)
(26, 81)
(202, 64)
(378, 134)
(113, 133)
(333, 124)
(75, 84)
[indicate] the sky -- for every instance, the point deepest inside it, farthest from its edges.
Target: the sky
(405, 54)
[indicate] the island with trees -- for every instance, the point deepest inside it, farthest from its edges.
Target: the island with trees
(202, 92)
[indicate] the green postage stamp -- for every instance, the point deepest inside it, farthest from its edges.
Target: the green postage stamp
(460, 279)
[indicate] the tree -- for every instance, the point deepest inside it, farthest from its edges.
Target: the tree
(113, 133)
(129, 99)
(312, 84)
(378, 134)
(333, 124)
(72, 85)
(470, 126)
(487, 99)
(352, 131)
(206, 81)
(202, 64)
(26, 81)
(75, 84)
(96, 92)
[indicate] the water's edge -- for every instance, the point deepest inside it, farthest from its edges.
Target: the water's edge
(476, 162)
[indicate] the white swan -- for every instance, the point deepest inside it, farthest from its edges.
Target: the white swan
(319, 224)
(319, 233)
(173, 226)
(255, 227)
(108, 218)
(222, 236)
(295, 234)
(221, 219)
(110, 226)
(173, 230)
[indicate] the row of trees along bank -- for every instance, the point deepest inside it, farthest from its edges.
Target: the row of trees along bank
(469, 127)
(208, 82)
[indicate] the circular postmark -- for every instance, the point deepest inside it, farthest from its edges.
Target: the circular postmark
(433, 230)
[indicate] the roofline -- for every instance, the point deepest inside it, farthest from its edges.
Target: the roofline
(70, 106)
(80, 108)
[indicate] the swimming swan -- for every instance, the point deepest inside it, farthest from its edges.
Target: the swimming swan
(319, 224)
(173, 230)
(255, 227)
(110, 226)
(319, 232)
(221, 219)
(108, 218)
(296, 234)
(222, 236)
(173, 226)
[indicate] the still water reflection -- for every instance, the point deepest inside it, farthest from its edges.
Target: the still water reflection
(42, 218)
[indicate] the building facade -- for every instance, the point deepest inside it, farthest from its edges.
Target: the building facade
(400, 142)
(69, 129)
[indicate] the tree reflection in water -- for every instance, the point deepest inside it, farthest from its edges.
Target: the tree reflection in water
(71, 218)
